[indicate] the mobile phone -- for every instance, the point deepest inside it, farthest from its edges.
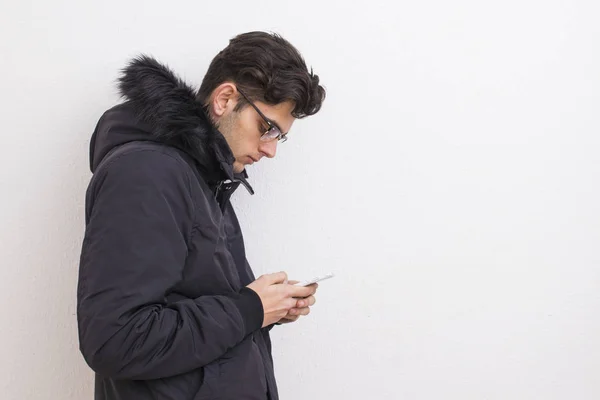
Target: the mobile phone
(315, 280)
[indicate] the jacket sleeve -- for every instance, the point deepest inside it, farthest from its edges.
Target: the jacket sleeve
(139, 217)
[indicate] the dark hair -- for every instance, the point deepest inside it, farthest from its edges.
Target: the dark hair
(268, 69)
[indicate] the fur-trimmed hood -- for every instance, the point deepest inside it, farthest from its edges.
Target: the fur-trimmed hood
(161, 107)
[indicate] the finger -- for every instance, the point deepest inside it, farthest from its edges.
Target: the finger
(307, 302)
(293, 282)
(277, 277)
(301, 311)
(289, 304)
(297, 312)
(311, 300)
(314, 286)
(305, 291)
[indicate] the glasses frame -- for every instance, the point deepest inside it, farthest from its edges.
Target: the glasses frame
(267, 136)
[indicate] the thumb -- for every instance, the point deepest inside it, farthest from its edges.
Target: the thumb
(278, 277)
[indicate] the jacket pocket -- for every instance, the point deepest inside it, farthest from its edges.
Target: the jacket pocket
(208, 390)
(180, 387)
(242, 373)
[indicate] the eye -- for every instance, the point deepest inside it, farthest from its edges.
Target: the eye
(263, 127)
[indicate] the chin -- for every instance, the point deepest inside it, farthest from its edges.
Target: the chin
(238, 167)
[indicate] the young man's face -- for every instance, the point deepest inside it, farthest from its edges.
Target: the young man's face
(243, 129)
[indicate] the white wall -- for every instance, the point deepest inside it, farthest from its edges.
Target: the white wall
(451, 181)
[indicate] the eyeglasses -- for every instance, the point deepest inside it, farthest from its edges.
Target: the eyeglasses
(274, 132)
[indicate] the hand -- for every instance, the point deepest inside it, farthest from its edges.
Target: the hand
(302, 307)
(279, 297)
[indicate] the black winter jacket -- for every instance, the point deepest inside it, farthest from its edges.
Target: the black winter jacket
(162, 307)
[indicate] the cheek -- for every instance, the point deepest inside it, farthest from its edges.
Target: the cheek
(249, 133)
(244, 140)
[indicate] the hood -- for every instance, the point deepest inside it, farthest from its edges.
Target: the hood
(161, 107)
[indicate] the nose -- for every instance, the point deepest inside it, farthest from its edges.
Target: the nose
(268, 149)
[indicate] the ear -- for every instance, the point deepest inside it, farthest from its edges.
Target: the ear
(223, 99)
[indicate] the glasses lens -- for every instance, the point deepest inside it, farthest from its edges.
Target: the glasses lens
(272, 134)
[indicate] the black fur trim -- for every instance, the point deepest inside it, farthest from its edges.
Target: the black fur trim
(168, 104)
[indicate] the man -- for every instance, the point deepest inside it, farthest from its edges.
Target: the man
(168, 307)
